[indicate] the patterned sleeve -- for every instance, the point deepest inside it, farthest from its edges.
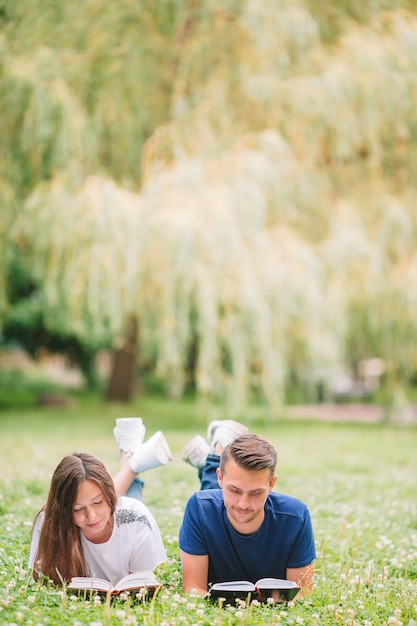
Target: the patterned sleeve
(147, 549)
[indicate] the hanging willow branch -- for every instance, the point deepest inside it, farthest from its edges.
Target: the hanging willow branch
(269, 228)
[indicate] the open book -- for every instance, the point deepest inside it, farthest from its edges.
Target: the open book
(141, 583)
(278, 589)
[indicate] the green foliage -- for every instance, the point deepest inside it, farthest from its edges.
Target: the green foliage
(16, 389)
(358, 481)
(334, 18)
(238, 175)
(28, 324)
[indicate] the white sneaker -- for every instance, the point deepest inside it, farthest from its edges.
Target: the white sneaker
(152, 453)
(224, 432)
(129, 432)
(195, 451)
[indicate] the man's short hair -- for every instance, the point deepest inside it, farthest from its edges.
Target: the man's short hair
(250, 452)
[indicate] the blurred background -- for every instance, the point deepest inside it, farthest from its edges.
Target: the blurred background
(209, 198)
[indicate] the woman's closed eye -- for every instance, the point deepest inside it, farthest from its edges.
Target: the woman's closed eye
(96, 503)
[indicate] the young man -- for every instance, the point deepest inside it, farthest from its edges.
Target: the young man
(242, 531)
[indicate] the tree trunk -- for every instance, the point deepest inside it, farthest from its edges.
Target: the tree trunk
(122, 381)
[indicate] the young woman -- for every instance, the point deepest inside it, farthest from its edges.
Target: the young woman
(87, 526)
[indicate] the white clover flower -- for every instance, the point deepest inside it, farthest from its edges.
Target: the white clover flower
(124, 595)
(31, 599)
(393, 620)
(299, 620)
(121, 614)
(19, 616)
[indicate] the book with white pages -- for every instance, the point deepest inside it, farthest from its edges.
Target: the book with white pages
(143, 583)
(279, 589)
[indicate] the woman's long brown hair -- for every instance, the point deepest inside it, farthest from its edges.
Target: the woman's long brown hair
(60, 554)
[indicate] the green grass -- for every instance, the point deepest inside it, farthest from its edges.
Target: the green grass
(359, 482)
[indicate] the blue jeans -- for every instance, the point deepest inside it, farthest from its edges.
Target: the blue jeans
(135, 490)
(207, 474)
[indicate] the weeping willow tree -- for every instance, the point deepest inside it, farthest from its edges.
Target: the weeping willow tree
(230, 173)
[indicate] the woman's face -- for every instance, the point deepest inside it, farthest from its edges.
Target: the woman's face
(91, 513)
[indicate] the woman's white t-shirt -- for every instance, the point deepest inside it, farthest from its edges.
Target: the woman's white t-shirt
(135, 543)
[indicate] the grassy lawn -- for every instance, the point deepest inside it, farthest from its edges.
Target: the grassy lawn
(359, 481)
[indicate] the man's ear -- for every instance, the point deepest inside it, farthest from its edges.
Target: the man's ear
(273, 483)
(219, 476)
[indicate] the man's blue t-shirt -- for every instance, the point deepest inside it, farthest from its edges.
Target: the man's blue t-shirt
(285, 538)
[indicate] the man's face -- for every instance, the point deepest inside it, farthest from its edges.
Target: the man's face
(244, 495)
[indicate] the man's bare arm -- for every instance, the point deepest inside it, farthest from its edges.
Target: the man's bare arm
(303, 576)
(194, 572)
